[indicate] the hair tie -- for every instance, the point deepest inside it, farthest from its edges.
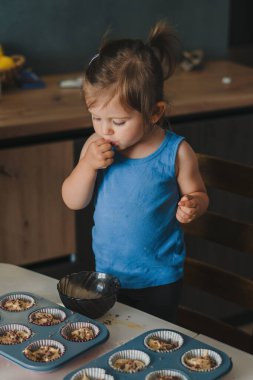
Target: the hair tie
(92, 59)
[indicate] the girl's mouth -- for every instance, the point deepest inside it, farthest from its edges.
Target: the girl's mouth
(114, 143)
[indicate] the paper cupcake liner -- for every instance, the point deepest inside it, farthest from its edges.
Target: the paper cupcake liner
(166, 372)
(57, 313)
(14, 327)
(21, 297)
(202, 352)
(131, 355)
(92, 374)
(70, 327)
(165, 335)
(42, 343)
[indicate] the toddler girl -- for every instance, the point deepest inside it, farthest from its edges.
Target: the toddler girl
(145, 179)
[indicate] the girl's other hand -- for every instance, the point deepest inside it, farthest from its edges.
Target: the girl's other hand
(99, 154)
(187, 210)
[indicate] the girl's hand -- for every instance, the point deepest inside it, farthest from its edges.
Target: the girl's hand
(188, 209)
(99, 154)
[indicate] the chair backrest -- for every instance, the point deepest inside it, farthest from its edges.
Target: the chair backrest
(237, 179)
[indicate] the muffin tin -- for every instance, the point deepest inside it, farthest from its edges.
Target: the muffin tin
(46, 334)
(166, 362)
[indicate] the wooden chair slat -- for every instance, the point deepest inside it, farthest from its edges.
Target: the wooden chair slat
(216, 329)
(219, 229)
(237, 179)
(210, 278)
(223, 175)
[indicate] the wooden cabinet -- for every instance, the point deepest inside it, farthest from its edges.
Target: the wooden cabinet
(35, 224)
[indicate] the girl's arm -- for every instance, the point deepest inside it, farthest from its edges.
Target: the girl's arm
(194, 201)
(78, 187)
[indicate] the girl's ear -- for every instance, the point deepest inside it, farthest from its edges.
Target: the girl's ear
(158, 112)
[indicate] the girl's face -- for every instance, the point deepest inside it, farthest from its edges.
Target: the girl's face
(122, 127)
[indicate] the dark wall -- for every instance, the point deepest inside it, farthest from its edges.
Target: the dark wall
(241, 26)
(62, 35)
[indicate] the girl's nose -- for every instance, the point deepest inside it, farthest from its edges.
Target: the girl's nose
(107, 129)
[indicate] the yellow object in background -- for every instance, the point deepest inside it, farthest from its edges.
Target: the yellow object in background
(6, 62)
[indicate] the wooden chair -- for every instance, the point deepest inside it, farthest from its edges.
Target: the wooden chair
(237, 179)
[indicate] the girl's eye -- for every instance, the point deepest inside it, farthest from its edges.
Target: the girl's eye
(118, 122)
(96, 118)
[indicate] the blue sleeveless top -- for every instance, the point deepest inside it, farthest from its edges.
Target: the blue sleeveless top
(136, 236)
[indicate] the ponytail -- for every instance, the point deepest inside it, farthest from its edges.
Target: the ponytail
(165, 44)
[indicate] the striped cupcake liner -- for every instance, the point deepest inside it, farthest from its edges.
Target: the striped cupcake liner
(202, 352)
(166, 372)
(16, 297)
(129, 355)
(58, 314)
(30, 351)
(167, 336)
(14, 327)
(92, 374)
(67, 331)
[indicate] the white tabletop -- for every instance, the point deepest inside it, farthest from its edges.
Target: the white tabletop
(123, 323)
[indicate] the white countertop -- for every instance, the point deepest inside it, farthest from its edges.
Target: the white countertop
(242, 361)
(123, 323)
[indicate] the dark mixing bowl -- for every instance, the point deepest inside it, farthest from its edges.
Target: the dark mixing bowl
(89, 293)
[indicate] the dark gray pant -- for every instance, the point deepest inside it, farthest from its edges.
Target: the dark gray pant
(161, 301)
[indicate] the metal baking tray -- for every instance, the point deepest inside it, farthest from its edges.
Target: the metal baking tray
(160, 360)
(15, 353)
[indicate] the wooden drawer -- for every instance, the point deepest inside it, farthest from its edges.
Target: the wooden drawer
(35, 224)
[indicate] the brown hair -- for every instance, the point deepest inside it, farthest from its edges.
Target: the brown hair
(134, 70)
